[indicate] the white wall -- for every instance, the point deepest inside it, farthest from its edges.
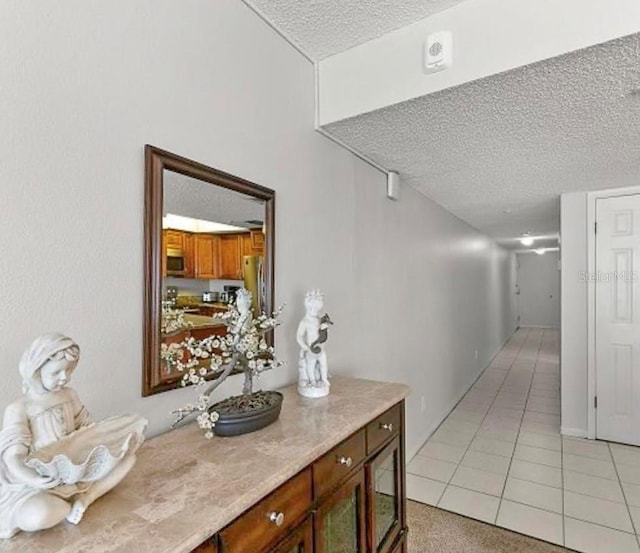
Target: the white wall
(413, 290)
(85, 86)
(489, 37)
(539, 283)
(430, 290)
(573, 343)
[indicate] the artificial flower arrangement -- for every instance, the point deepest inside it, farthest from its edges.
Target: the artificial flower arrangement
(244, 347)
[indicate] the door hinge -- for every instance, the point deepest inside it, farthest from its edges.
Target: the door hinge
(595, 402)
(595, 227)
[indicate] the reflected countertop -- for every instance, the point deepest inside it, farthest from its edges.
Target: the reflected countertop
(185, 488)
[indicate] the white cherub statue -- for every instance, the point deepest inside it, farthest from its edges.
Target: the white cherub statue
(54, 461)
(313, 380)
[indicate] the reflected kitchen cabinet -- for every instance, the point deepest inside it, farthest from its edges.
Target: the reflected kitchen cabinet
(188, 241)
(253, 243)
(178, 253)
(257, 242)
(207, 253)
(174, 238)
(230, 256)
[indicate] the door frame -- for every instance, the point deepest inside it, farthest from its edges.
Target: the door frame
(592, 389)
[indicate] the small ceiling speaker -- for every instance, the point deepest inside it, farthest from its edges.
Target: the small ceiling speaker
(393, 185)
(438, 51)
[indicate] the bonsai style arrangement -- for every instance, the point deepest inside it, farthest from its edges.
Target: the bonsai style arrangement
(244, 348)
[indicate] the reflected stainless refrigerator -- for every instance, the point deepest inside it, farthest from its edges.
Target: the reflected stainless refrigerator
(253, 268)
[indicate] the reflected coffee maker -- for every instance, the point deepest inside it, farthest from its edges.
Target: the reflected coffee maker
(229, 294)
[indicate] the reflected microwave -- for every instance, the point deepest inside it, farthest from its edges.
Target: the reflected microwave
(175, 262)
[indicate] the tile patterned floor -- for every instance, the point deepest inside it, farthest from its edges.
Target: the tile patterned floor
(499, 457)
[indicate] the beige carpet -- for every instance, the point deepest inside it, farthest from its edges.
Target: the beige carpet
(433, 530)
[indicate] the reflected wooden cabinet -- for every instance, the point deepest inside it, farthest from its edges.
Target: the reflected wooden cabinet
(188, 242)
(230, 256)
(212, 256)
(207, 252)
(233, 247)
(350, 500)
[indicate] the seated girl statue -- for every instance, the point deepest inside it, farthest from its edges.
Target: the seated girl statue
(54, 461)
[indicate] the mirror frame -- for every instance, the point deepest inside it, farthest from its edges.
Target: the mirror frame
(156, 161)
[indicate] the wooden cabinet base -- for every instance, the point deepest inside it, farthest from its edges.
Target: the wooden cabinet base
(338, 504)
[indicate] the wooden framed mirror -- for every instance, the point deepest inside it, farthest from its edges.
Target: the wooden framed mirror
(207, 234)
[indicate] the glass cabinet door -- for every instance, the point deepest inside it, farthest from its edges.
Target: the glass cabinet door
(299, 541)
(340, 520)
(384, 478)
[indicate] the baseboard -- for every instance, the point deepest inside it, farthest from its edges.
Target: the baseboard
(410, 454)
(539, 326)
(573, 432)
(439, 420)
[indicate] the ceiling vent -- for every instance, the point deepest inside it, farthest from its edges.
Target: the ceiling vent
(438, 51)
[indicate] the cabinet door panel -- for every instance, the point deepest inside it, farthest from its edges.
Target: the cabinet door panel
(174, 238)
(189, 255)
(299, 541)
(340, 520)
(386, 505)
(257, 241)
(206, 256)
(230, 256)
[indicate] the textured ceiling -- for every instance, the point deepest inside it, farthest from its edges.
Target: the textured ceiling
(321, 28)
(197, 199)
(515, 141)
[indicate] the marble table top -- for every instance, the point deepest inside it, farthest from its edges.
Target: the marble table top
(185, 488)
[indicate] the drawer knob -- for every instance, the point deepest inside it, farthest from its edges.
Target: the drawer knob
(277, 518)
(347, 461)
(388, 427)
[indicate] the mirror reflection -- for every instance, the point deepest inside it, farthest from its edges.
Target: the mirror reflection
(207, 235)
(213, 244)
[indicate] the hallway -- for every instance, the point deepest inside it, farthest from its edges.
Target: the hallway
(499, 458)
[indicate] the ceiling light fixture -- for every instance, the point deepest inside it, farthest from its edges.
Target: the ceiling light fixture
(527, 241)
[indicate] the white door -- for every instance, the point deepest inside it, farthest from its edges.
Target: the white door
(618, 319)
(539, 282)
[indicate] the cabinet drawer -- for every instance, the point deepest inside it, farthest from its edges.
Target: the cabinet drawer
(338, 463)
(383, 428)
(258, 527)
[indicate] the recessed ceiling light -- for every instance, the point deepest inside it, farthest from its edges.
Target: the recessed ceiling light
(540, 251)
(527, 241)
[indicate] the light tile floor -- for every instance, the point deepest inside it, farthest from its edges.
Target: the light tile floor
(499, 457)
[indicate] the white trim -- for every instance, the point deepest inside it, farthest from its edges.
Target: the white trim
(524, 325)
(409, 455)
(573, 432)
(592, 388)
